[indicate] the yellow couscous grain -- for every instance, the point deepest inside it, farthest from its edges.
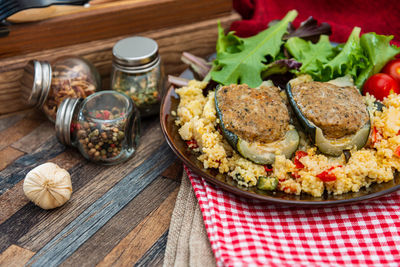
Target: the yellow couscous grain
(197, 119)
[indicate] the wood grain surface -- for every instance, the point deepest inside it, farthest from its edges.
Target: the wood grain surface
(107, 21)
(117, 214)
(197, 37)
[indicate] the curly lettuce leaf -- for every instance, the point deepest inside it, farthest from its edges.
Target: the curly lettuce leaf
(312, 56)
(379, 52)
(350, 60)
(241, 60)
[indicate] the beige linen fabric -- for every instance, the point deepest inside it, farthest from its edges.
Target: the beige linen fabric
(187, 244)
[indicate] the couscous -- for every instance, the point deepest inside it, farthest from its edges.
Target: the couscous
(308, 171)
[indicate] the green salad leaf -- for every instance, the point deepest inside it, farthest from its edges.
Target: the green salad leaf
(312, 56)
(379, 51)
(241, 60)
(358, 57)
(350, 60)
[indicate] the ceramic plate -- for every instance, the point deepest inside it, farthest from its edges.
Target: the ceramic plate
(170, 103)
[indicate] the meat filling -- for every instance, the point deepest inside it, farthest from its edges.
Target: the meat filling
(254, 114)
(338, 111)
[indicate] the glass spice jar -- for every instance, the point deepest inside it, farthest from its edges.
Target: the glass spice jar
(137, 71)
(105, 126)
(46, 86)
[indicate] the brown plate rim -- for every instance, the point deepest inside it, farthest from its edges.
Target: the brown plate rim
(164, 113)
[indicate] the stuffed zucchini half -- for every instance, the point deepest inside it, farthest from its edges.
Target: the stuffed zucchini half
(335, 117)
(256, 122)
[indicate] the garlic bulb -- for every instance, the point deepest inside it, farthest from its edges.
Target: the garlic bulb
(48, 186)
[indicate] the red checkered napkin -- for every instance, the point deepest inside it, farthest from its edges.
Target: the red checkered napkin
(245, 232)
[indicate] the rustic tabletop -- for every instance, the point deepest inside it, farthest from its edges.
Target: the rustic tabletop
(117, 214)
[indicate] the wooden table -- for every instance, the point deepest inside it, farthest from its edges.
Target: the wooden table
(116, 215)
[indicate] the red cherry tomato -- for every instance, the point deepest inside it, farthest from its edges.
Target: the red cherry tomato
(380, 85)
(392, 68)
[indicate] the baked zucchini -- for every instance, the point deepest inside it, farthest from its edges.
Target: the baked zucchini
(256, 151)
(327, 145)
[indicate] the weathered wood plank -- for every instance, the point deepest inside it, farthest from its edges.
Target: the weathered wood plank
(37, 137)
(155, 255)
(68, 159)
(30, 224)
(100, 212)
(135, 245)
(8, 121)
(15, 256)
(16, 171)
(11, 201)
(14, 199)
(101, 243)
(27, 225)
(8, 155)
(18, 130)
(174, 172)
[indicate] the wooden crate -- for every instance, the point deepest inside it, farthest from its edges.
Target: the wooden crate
(177, 26)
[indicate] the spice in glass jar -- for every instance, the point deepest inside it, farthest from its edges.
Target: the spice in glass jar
(104, 126)
(46, 86)
(137, 72)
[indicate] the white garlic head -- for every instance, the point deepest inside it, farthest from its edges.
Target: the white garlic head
(48, 186)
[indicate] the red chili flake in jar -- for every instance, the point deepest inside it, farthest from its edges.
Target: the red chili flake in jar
(106, 114)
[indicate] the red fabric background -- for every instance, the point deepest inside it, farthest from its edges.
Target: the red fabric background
(382, 17)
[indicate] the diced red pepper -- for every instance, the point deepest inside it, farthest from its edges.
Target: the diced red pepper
(397, 151)
(376, 136)
(268, 168)
(327, 175)
(297, 157)
(192, 144)
(296, 175)
(398, 133)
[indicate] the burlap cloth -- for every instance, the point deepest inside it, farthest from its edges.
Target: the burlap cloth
(188, 243)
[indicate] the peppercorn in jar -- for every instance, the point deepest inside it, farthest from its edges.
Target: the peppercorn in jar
(46, 86)
(104, 126)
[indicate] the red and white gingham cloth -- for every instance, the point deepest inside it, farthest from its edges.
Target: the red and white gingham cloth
(245, 232)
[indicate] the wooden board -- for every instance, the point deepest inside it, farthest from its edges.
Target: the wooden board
(198, 38)
(106, 21)
(116, 215)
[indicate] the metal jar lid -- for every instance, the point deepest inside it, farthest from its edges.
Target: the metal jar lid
(35, 83)
(135, 53)
(65, 114)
